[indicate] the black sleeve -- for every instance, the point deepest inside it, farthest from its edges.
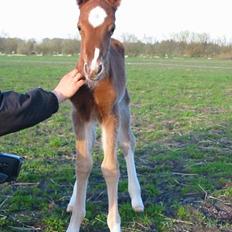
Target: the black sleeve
(19, 111)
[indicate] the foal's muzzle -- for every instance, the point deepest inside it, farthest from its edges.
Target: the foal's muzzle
(93, 73)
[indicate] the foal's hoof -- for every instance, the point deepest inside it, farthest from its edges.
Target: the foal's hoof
(69, 208)
(139, 208)
(116, 228)
(137, 205)
(73, 229)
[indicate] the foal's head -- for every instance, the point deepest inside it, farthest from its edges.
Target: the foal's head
(96, 25)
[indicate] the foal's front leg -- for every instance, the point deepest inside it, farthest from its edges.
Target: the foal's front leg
(85, 139)
(110, 170)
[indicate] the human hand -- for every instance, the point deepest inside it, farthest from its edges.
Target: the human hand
(68, 85)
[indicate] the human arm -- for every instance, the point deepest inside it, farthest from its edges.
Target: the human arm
(19, 111)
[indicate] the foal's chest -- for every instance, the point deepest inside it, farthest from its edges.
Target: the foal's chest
(97, 102)
(104, 96)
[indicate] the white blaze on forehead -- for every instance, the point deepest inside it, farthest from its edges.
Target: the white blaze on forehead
(95, 58)
(97, 16)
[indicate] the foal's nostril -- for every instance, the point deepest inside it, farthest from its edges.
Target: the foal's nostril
(100, 67)
(93, 71)
(86, 67)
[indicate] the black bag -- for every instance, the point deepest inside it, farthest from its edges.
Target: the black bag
(9, 167)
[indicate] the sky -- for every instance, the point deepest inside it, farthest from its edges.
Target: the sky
(40, 19)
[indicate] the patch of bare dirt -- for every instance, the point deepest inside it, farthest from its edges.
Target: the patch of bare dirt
(218, 209)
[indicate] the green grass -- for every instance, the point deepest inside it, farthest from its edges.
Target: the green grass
(182, 119)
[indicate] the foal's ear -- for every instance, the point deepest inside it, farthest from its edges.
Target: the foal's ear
(80, 2)
(114, 3)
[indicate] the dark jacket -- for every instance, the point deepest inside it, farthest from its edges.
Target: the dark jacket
(19, 111)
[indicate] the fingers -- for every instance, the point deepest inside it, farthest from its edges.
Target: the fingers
(80, 83)
(77, 77)
(73, 72)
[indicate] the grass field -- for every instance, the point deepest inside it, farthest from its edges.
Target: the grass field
(182, 118)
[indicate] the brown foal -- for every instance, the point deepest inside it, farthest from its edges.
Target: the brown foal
(103, 99)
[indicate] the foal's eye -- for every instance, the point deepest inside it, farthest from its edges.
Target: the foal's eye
(112, 29)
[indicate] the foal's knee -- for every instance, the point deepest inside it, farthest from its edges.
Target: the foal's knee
(110, 173)
(84, 166)
(128, 144)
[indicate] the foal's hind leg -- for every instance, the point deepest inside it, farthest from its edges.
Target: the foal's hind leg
(127, 143)
(85, 139)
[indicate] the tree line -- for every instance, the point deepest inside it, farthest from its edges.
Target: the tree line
(181, 44)
(46, 47)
